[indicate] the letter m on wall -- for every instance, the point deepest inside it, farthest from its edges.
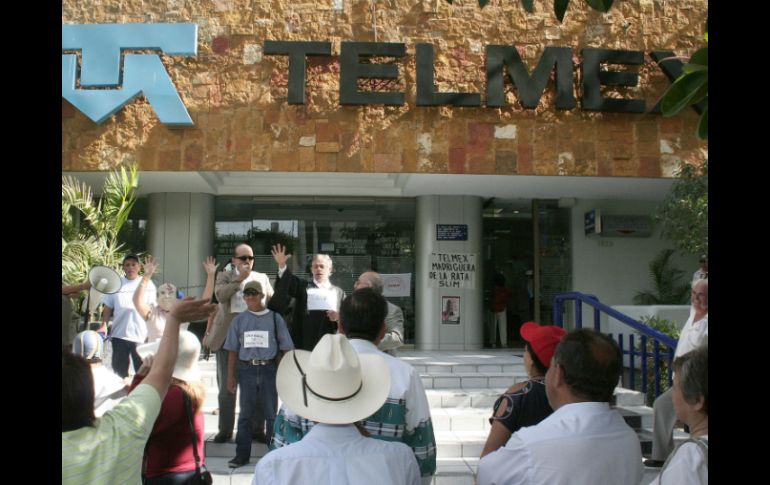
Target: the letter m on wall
(110, 79)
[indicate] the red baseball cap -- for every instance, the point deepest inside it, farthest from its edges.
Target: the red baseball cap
(542, 340)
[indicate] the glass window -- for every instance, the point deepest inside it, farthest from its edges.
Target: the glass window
(358, 234)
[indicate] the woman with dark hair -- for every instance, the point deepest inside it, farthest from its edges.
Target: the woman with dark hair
(525, 403)
(689, 462)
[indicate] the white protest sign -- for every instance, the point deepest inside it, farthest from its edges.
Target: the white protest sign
(320, 299)
(452, 270)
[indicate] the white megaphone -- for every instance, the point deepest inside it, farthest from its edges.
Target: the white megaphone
(104, 281)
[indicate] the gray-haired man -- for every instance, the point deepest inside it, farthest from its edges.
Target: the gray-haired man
(394, 321)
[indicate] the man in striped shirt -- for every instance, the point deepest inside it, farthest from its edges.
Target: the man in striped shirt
(405, 416)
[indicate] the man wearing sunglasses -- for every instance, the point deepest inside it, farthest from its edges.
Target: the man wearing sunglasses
(229, 291)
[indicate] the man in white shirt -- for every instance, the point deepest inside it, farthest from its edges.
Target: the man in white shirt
(583, 442)
(336, 387)
(128, 327)
(694, 334)
(405, 416)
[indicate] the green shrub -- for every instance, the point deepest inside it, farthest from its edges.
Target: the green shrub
(669, 328)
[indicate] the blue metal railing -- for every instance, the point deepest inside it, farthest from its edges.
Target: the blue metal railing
(645, 331)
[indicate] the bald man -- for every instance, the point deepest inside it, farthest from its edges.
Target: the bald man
(394, 321)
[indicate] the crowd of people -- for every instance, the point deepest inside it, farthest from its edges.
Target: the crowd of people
(351, 412)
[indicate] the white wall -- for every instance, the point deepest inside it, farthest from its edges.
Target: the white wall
(616, 268)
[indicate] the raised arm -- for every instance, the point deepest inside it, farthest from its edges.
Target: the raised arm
(68, 290)
(164, 361)
(211, 272)
(149, 266)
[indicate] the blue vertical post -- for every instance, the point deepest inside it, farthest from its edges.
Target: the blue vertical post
(620, 344)
(656, 366)
(578, 313)
(644, 364)
(632, 364)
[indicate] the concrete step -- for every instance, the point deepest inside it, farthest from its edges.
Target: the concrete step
(463, 398)
(227, 450)
(626, 397)
(450, 367)
(460, 419)
(468, 380)
(460, 444)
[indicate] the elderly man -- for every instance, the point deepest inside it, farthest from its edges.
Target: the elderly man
(583, 442)
(694, 334)
(308, 324)
(394, 321)
(229, 292)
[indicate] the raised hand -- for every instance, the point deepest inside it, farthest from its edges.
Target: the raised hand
(210, 265)
(149, 266)
(189, 310)
(279, 255)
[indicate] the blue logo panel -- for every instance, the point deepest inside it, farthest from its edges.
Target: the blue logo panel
(101, 46)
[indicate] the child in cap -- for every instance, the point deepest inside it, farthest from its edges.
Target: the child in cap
(525, 403)
(109, 388)
(255, 342)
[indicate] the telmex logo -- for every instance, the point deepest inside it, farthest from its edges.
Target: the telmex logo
(104, 89)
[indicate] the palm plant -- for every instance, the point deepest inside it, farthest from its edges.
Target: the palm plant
(666, 282)
(92, 238)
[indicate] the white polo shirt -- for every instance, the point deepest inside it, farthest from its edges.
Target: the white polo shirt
(583, 443)
(338, 455)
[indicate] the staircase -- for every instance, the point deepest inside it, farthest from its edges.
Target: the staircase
(461, 387)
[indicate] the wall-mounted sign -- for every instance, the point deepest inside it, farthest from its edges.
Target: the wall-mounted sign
(106, 53)
(396, 285)
(451, 232)
(105, 64)
(452, 270)
(450, 310)
(592, 222)
(626, 226)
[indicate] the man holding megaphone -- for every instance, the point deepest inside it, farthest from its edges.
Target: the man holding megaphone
(128, 327)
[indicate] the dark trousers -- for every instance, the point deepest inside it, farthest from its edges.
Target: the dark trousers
(257, 383)
(122, 350)
(226, 400)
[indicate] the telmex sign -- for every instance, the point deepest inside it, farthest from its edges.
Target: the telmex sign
(101, 46)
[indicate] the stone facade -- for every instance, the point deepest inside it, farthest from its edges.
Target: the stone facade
(237, 95)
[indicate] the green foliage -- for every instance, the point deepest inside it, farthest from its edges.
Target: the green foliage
(669, 328)
(668, 290)
(692, 87)
(684, 213)
(559, 6)
(92, 238)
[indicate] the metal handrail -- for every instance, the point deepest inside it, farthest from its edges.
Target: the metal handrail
(645, 331)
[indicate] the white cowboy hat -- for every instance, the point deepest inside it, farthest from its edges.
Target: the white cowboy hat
(186, 367)
(334, 384)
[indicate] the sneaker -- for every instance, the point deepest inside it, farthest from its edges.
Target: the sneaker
(653, 463)
(222, 437)
(237, 462)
